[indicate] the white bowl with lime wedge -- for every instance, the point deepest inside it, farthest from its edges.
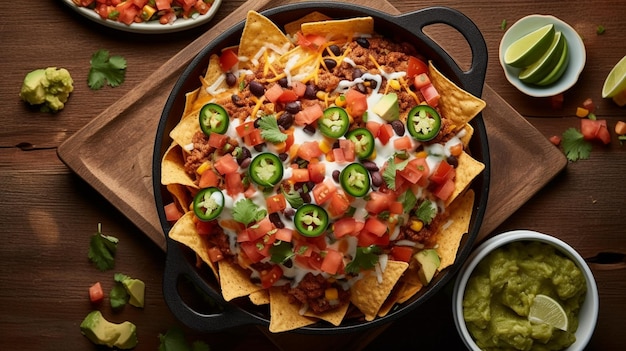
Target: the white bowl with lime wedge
(541, 55)
(501, 295)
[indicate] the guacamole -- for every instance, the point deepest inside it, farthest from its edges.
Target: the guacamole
(502, 287)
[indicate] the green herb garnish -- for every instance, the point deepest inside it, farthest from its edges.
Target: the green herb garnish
(365, 258)
(102, 250)
(270, 131)
(575, 146)
(245, 211)
(106, 70)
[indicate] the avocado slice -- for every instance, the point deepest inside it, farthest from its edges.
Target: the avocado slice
(102, 332)
(387, 107)
(136, 289)
(429, 263)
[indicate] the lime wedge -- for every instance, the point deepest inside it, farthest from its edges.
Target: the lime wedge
(616, 80)
(545, 309)
(529, 48)
(546, 63)
(559, 69)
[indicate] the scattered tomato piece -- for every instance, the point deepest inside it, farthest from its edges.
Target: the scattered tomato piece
(96, 294)
(620, 128)
(555, 139)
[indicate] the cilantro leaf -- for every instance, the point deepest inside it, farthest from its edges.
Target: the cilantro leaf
(281, 251)
(389, 174)
(106, 70)
(426, 211)
(245, 211)
(270, 131)
(575, 146)
(102, 250)
(364, 259)
(291, 195)
(174, 340)
(408, 200)
(118, 296)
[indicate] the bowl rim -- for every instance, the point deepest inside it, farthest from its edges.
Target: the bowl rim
(590, 305)
(576, 46)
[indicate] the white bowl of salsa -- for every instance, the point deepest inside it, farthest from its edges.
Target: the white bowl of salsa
(526, 246)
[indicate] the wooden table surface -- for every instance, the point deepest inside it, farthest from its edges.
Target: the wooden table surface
(48, 213)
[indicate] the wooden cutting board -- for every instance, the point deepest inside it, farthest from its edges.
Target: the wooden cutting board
(122, 172)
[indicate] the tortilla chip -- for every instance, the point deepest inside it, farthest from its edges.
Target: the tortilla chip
(213, 82)
(449, 237)
(467, 133)
(184, 131)
(284, 315)
(467, 170)
(333, 317)
(234, 280)
(407, 291)
(456, 104)
(184, 231)
(334, 29)
(294, 27)
(181, 195)
(173, 168)
(258, 32)
(368, 295)
(259, 297)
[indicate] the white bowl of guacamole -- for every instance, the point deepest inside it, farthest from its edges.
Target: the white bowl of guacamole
(498, 282)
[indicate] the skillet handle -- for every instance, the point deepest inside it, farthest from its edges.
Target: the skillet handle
(175, 267)
(473, 79)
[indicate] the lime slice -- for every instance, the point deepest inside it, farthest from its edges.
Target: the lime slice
(559, 69)
(542, 67)
(545, 309)
(529, 48)
(616, 80)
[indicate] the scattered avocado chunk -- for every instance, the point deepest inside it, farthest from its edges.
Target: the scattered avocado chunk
(49, 88)
(134, 287)
(429, 263)
(387, 107)
(102, 332)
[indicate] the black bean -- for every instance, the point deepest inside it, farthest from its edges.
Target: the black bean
(310, 92)
(334, 49)
(398, 127)
(257, 123)
(231, 79)
(285, 120)
(377, 179)
(452, 161)
(373, 83)
(336, 175)
(306, 197)
(310, 185)
(363, 42)
(309, 129)
(283, 82)
(330, 63)
(246, 152)
(257, 89)
(361, 88)
(293, 107)
(283, 156)
(245, 162)
(275, 219)
(370, 166)
(259, 147)
(357, 73)
(237, 100)
(289, 212)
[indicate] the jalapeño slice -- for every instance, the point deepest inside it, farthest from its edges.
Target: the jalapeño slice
(355, 180)
(423, 122)
(334, 122)
(311, 220)
(363, 141)
(266, 169)
(213, 119)
(208, 203)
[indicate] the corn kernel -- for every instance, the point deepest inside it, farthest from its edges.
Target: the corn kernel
(417, 225)
(146, 12)
(581, 112)
(372, 156)
(394, 84)
(321, 95)
(340, 100)
(421, 154)
(203, 167)
(331, 294)
(325, 146)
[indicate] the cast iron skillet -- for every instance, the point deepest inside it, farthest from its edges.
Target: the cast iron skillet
(180, 261)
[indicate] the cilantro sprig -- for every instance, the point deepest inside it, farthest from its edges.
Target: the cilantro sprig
(102, 250)
(426, 211)
(174, 340)
(389, 174)
(575, 146)
(245, 211)
(365, 258)
(270, 131)
(106, 69)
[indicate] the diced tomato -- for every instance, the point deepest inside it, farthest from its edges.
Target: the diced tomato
(215, 254)
(396, 208)
(274, 92)
(245, 128)
(385, 133)
(345, 226)
(373, 127)
(415, 67)
(205, 228)
(284, 234)
(317, 171)
(443, 173)
(308, 115)
(366, 238)
(298, 87)
(333, 260)
(288, 95)
(415, 170)
(315, 260)
(290, 138)
(127, 13)
(270, 276)
(209, 178)
(96, 294)
(226, 164)
(555, 139)
(228, 59)
(379, 202)
(338, 205)
(300, 175)
(595, 130)
(347, 147)
(421, 80)
(589, 105)
(403, 143)
(311, 41)
(402, 253)
(556, 101)
(444, 190)
(233, 184)
(356, 103)
(253, 138)
(322, 192)
(276, 203)
(309, 150)
(217, 140)
(163, 4)
(172, 213)
(431, 95)
(252, 252)
(338, 156)
(375, 226)
(260, 228)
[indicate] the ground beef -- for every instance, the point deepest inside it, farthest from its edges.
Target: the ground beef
(424, 236)
(201, 152)
(311, 290)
